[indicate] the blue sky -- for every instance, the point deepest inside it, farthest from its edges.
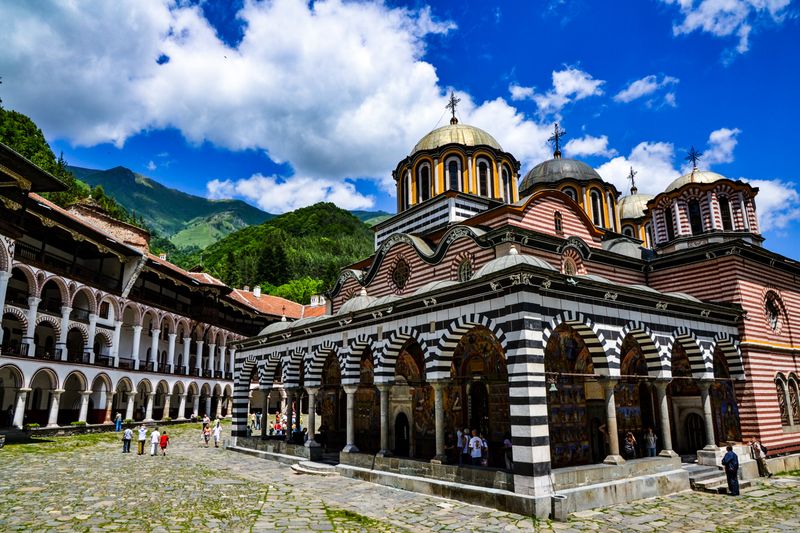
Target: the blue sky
(286, 103)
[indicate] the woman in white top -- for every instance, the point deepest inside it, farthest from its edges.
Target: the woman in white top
(217, 432)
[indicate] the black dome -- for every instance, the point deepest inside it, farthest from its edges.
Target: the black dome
(555, 170)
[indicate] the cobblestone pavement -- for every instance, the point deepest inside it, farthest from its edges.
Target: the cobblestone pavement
(86, 484)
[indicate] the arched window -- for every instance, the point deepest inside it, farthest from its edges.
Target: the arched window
(725, 213)
(794, 399)
(695, 217)
(558, 222)
(104, 308)
(572, 193)
(670, 224)
(780, 385)
(597, 209)
(454, 174)
(423, 182)
(648, 231)
(628, 231)
(483, 178)
(508, 195)
(772, 310)
(465, 270)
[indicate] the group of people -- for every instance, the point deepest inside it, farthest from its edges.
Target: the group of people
(208, 431)
(730, 463)
(158, 440)
(470, 447)
(630, 444)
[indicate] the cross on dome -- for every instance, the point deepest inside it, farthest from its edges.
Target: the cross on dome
(632, 177)
(555, 139)
(451, 105)
(694, 156)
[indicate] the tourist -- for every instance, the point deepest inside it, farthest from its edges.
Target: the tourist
(251, 421)
(155, 439)
(118, 422)
(459, 445)
(217, 433)
(450, 449)
(258, 420)
(127, 436)
(465, 456)
(322, 437)
(484, 450)
(206, 434)
(508, 452)
(142, 439)
(731, 464)
(271, 428)
(476, 448)
(629, 448)
(650, 442)
(206, 420)
(163, 442)
(759, 452)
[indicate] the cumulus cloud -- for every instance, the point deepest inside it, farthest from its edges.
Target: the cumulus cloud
(721, 144)
(726, 18)
(778, 204)
(569, 85)
(151, 166)
(653, 162)
(589, 145)
(643, 87)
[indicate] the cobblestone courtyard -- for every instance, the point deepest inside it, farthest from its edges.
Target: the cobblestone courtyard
(86, 484)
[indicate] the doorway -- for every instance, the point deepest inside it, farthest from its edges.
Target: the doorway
(401, 435)
(479, 408)
(695, 432)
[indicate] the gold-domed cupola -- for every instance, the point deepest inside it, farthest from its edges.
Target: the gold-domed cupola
(577, 180)
(456, 158)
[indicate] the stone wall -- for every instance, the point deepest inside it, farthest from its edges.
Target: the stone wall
(577, 476)
(278, 446)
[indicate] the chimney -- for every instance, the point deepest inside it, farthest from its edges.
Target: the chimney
(314, 300)
(162, 256)
(246, 288)
(257, 291)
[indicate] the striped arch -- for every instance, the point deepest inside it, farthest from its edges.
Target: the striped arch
(137, 312)
(604, 364)
(387, 357)
(113, 303)
(268, 366)
(155, 317)
(437, 364)
(18, 314)
(90, 298)
(291, 367)
(241, 394)
(184, 326)
(316, 361)
(103, 334)
(82, 328)
(168, 321)
(702, 364)
(62, 288)
(351, 375)
(30, 276)
(52, 321)
(657, 359)
(6, 252)
(730, 349)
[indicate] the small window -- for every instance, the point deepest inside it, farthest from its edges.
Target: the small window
(780, 385)
(483, 178)
(648, 231)
(628, 231)
(465, 270)
(558, 223)
(670, 224)
(597, 209)
(695, 217)
(569, 191)
(773, 311)
(725, 213)
(453, 175)
(424, 183)
(104, 308)
(400, 274)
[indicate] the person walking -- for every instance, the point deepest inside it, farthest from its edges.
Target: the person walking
(162, 443)
(650, 439)
(118, 422)
(258, 421)
(629, 448)
(217, 433)
(127, 436)
(155, 439)
(731, 464)
(759, 452)
(465, 456)
(206, 434)
(475, 448)
(508, 454)
(142, 439)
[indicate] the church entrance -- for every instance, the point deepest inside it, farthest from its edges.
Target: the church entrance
(634, 395)
(695, 432)
(479, 407)
(402, 436)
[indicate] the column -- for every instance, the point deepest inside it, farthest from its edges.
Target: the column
(743, 207)
(312, 416)
(232, 356)
(19, 410)
(182, 408)
(154, 348)
(167, 402)
(137, 339)
(707, 415)
(171, 352)
(222, 362)
(663, 412)
(438, 411)
(350, 446)
(148, 411)
(288, 429)
(131, 394)
(196, 405)
(187, 346)
(115, 342)
(712, 210)
(109, 405)
(265, 411)
(385, 390)
(218, 413)
(52, 418)
(33, 306)
(676, 217)
(611, 422)
(4, 277)
(62, 337)
(199, 358)
(84, 405)
(283, 401)
(90, 342)
(212, 351)
(208, 406)
(435, 184)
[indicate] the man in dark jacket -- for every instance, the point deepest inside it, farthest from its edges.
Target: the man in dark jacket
(730, 462)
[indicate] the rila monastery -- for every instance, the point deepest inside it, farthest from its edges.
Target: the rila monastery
(400, 266)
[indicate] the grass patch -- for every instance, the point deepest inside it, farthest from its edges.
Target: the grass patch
(343, 517)
(793, 473)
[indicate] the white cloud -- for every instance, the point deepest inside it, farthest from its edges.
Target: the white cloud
(669, 100)
(589, 145)
(643, 87)
(721, 144)
(275, 194)
(725, 18)
(519, 92)
(569, 85)
(777, 203)
(151, 166)
(653, 162)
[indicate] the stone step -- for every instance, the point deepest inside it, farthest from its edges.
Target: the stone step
(718, 485)
(315, 469)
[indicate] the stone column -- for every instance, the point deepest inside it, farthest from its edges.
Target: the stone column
(171, 352)
(196, 404)
(350, 390)
(438, 411)
(167, 405)
(148, 411)
(663, 412)
(199, 357)
(19, 410)
(288, 429)
(4, 277)
(385, 390)
(743, 207)
(154, 348)
(283, 401)
(218, 413)
(109, 405)
(187, 346)
(92, 332)
(129, 406)
(182, 408)
(265, 411)
(707, 415)
(62, 337)
(232, 364)
(115, 342)
(33, 306)
(208, 406)
(137, 339)
(212, 350)
(84, 405)
(611, 422)
(312, 416)
(52, 418)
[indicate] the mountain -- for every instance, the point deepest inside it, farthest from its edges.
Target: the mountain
(186, 220)
(370, 218)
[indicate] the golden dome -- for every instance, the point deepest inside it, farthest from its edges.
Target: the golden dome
(633, 206)
(456, 134)
(695, 176)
